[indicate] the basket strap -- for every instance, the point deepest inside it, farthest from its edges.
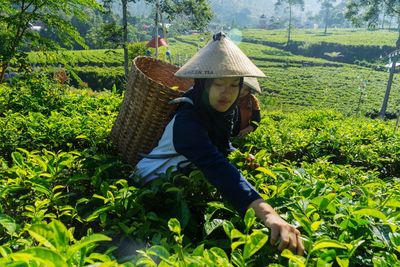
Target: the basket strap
(182, 99)
(158, 156)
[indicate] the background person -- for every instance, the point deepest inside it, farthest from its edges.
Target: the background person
(248, 107)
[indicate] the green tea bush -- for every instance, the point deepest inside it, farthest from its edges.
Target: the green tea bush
(38, 114)
(136, 49)
(66, 199)
(318, 134)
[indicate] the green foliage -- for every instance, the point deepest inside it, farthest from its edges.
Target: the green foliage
(197, 13)
(108, 35)
(99, 57)
(63, 189)
(136, 49)
(340, 36)
(15, 31)
(290, 4)
(318, 168)
(103, 68)
(100, 78)
(57, 247)
(201, 256)
(303, 87)
(343, 140)
(41, 114)
(340, 45)
(298, 82)
(369, 11)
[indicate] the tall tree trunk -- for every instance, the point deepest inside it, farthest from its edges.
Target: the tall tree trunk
(3, 68)
(125, 35)
(163, 27)
(390, 80)
(290, 24)
(387, 93)
(326, 19)
(156, 28)
(398, 31)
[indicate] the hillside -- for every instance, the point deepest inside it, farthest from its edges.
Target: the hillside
(313, 82)
(329, 170)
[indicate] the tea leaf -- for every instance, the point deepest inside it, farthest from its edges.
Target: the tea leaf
(316, 225)
(44, 256)
(267, 172)
(371, 212)
(392, 203)
(210, 226)
(158, 251)
(86, 241)
(18, 159)
(218, 252)
(236, 234)
(198, 251)
(342, 262)
(330, 244)
(60, 234)
(218, 205)
(299, 260)
(174, 226)
(249, 219)
(304, 222)
(254, 243)
(8, 223)
(43, 233)
(228, 227)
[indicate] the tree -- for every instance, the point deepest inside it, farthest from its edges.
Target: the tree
(243, 17)
(17, 16)
(337, 17)
(368, 11)
(326, 6)
(198, 12)
(290, 4)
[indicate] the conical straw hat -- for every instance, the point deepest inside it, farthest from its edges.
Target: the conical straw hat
(252, 83)
(219, 58)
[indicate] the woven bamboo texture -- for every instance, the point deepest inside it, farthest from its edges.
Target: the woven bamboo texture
(145, 111)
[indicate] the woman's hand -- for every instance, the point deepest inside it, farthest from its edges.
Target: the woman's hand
(245, 131)
(283, 234)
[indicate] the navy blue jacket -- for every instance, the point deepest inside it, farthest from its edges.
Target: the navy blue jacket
(186, 136)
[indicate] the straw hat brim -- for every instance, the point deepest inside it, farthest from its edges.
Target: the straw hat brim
(219, 59)
(252, 83)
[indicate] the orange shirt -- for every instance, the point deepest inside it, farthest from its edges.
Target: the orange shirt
(247, 104)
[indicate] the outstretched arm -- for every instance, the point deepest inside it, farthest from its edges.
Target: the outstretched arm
(286, 235)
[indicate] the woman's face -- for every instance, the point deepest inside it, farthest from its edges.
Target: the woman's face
(223, 93)
(245, 91)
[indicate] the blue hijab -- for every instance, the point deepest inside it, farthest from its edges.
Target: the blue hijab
(219, 125)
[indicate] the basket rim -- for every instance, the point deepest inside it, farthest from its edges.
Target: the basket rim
(150, 79)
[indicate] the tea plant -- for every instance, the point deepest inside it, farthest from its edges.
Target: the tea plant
(66, 200)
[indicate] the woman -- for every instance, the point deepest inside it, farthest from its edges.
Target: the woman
(200, 130)
(249, 108)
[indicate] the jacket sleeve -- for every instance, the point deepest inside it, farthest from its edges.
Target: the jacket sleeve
(190, 139)
(255, 118)
(255, 113)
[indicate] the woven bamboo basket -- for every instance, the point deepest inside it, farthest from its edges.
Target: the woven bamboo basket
(145, 110)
